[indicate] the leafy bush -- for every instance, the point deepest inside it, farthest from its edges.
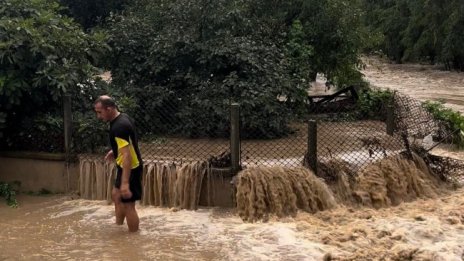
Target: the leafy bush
(372, 104)
(194, 70)
(191, 59)
(8, 192)
(89, 134)
(453, 121)
(42, 56)
(44, 132)
(90, 13)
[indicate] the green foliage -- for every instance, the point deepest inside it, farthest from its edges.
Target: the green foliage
(452, 53)
(8, 191)
(333, 28)
(299, 52)
(42, 56)
(43, 132)
(418, 30)
(194, 57)
(89, 133)
(372, 104)
(90, 13)
(452, 120)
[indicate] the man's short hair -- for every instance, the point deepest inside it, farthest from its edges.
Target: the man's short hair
(106, 101)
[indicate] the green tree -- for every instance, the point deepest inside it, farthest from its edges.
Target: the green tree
(90, 13)
(333, 29)
(42, 56)
(196, 56)
(424, 35)
(452, 53)
(418, 30)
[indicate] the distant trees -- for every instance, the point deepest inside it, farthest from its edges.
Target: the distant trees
(419, 30)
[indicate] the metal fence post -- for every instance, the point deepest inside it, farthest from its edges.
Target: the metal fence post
(235, 137)
(67, 126)
(390, 122)
(67, 120)
(312, 145)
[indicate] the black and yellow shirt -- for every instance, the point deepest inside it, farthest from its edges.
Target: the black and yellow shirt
(122, 133)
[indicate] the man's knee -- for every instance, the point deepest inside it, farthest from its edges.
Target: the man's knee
(131, 216)
(129, 206)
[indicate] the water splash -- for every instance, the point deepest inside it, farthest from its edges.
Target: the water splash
(263, 191)
(168, 185)
(96, 179)
(165, 185)
(395, 180)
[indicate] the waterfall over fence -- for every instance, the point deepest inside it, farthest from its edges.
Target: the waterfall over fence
(183, 186)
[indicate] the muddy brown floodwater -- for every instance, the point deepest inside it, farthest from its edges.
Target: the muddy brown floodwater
(402, 217)
(423, 82)
(59, 228)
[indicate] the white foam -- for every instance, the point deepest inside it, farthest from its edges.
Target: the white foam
(273, 162)
(205, 231)
(217, 234)
(362, 157)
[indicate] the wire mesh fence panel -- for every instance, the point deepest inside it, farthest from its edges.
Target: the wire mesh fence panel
(44, 133)
(283, 151)
(181, 128)
(357, 143)
(412, 118)
(343, 134)
(172, 130)
(423, 133)
(351, 134)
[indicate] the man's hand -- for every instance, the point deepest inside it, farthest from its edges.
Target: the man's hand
(125, 191)
(109, 156)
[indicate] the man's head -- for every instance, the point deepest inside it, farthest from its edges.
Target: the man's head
(105, 108)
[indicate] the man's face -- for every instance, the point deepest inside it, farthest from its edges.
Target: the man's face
(103, 113)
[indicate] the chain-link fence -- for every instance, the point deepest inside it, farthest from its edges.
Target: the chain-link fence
(343, 133)
(168, 132)
(349, 130)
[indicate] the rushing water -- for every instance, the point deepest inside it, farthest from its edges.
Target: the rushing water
(423, 82)
(56, 227)
(419, 219)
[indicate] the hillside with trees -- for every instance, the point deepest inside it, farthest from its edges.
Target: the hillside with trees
(429, 31)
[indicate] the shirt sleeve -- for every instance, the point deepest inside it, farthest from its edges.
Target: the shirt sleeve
(121, 142)
(122, 136)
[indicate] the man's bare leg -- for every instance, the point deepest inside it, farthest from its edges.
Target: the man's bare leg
(118, 206)
(131, 216)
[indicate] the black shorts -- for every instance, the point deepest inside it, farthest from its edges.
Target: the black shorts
(135, 184)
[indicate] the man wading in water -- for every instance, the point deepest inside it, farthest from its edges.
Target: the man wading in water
(125, 152)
